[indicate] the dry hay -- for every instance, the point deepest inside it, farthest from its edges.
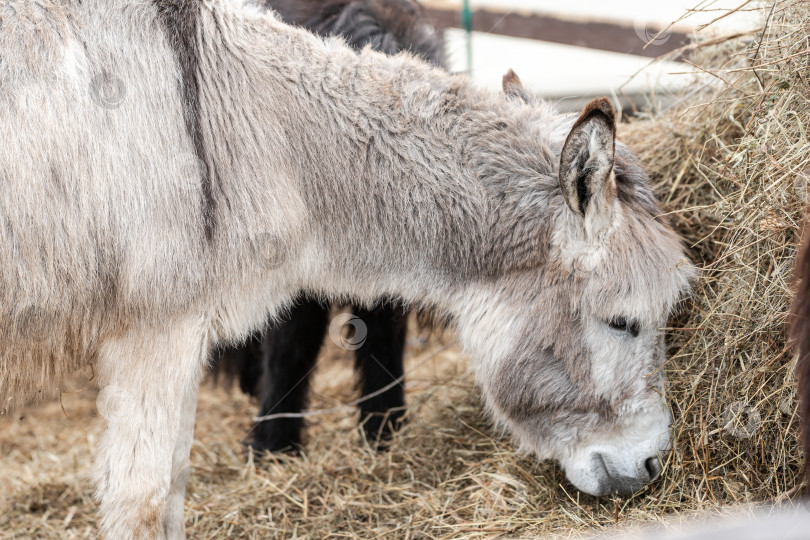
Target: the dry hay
(731, 162)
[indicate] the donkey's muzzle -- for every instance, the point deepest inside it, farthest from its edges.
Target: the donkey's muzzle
(614, 482)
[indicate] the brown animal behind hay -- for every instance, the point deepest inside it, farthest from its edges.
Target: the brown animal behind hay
(800, 332)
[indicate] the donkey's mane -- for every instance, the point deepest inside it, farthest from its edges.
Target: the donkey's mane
(388, 26)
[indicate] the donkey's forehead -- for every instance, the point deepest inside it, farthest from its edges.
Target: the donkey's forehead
(641, 262)
(655, 264)
(639, 265)
(634, 186)
(643, 268)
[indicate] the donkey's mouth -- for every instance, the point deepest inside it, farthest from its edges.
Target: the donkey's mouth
(622, 485)
(599, 469)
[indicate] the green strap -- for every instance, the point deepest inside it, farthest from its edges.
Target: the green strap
(466, 21)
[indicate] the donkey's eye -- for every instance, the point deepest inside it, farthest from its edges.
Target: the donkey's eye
(622, 325)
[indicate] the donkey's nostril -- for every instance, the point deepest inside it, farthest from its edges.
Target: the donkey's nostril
(653, 466)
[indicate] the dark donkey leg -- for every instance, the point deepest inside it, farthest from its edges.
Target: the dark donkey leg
(379, 363)
(290, 350)
(244, 362)
(251, 368)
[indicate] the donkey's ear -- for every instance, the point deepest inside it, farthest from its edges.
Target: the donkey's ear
(586, 162)
(513, 88)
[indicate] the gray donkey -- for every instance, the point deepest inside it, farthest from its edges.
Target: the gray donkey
(174, 170)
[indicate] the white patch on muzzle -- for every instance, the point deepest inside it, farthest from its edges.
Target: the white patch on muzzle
(624, 461)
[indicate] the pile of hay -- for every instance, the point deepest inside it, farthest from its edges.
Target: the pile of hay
(732, 165)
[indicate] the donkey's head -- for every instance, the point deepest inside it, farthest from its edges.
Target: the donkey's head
(579, 376)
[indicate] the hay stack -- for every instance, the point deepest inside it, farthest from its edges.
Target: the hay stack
(732, 163)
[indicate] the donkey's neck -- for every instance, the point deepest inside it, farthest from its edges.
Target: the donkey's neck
(410, 178)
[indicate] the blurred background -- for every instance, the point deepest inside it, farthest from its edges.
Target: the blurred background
(572, 50)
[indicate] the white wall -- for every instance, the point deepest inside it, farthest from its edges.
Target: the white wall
(559, 71)
(564, 72)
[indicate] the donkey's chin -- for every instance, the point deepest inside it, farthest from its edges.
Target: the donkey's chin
(620, 466)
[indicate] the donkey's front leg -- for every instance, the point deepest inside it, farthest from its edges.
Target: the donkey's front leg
(149, 380)
(174, 522)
